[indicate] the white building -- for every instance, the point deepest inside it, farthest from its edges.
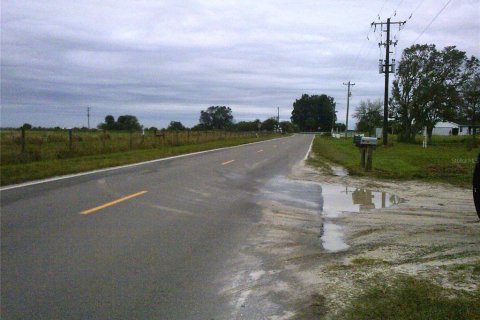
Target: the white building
(450, 129)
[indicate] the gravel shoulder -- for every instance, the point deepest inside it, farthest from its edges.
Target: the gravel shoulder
(286, 270)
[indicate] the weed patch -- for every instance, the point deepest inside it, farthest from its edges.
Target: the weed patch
(407, 298)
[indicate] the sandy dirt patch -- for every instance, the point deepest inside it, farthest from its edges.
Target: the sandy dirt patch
(324, 236)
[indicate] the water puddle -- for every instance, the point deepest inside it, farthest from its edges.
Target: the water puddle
(338, 199)
(329, 200)
(332, 238)
(339, 171)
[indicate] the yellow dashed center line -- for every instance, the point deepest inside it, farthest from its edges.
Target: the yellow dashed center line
(108, 204)
(259, 151)
(227, 162)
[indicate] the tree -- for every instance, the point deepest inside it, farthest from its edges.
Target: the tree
(425, 90)
(270, 124)
(128, 122)
(287, 127)
(313, 113)
(438, 92)
(341, 127)
(216, 117)
(176, 126)
(125, 122)
(199, 127)
(110, 123)
(27, 126)
(248, 125)
(469, 107)
(369, 115)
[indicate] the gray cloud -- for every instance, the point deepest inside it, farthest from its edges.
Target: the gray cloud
(168, 60)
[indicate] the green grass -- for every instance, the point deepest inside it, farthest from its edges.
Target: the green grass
(33, 170)
(407, 298)
(448, 160)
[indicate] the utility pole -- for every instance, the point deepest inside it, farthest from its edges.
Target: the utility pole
(333, 119)
(88, 117)
(349, 94)
(278, 115)
(387, 68)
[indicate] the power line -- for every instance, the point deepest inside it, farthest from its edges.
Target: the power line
(415, 10)
(434, 18)
(394, 13)
(362, 48)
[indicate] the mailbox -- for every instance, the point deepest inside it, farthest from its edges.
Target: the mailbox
(366, 145)
(368, 141)
(356, 139)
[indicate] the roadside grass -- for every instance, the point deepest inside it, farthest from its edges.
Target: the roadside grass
(22, 172)
(408, 298)
(447, 160)
(41, 145)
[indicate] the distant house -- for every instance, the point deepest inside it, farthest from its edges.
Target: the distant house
(453, 129)
(465, 129)
(448, 129)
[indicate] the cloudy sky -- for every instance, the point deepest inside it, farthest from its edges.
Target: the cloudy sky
(166, 60)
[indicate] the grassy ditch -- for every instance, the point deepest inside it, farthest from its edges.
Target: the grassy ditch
(448, 160)
(33, 170)
(407, 298)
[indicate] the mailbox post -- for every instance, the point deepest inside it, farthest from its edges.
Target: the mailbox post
(366, 145)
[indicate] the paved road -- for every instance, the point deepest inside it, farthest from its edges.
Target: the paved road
(143, 242)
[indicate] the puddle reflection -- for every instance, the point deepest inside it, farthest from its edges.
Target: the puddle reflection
(330, 200)
(337, 199)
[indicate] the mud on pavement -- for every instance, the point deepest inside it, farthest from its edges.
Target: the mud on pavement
(324, 236)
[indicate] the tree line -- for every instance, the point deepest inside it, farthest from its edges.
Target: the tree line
(213, 118)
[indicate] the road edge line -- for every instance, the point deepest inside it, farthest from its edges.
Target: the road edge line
(75, 175)
(309, 149)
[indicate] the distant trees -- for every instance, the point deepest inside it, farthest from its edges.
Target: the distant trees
(287, 127)
(341, 127)
(314, 113)
(426, 89)
(269, 124)
(469, 107)
(369, 115)
(248, 125)
(125, 122)
(216, 117)
(176, 126)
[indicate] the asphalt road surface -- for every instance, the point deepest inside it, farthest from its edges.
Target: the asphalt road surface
(141, 242)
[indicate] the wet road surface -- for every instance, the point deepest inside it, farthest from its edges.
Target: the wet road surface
(143, 242)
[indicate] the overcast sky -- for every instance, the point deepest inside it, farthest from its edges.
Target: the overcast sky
(167, 60)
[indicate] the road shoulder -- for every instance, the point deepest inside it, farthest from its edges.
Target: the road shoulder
(432, 234)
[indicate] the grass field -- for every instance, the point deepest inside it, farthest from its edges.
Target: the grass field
(407, 298)
(48, 153)
(57, 144)
(447, 160)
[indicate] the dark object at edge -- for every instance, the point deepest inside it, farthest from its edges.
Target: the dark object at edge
(476, 185)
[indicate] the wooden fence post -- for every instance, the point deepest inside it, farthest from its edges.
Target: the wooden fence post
(362, 156)
(368, 166)
(23, 139)
(70, 139)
